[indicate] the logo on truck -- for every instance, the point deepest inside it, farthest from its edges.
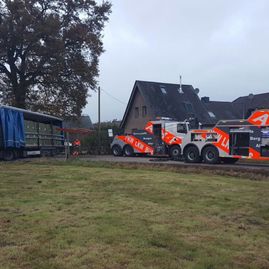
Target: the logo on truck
(223, 140)
(259, 118)
(137, 144)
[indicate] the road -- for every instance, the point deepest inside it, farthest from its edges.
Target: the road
(255, 170)
(242, 165)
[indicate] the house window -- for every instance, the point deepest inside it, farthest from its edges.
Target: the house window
(144, 111)
(136, 112)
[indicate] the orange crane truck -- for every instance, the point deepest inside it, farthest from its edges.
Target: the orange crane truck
(228, 141)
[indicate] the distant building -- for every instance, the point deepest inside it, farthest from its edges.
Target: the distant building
(248, 103)
(154, 99)
(240, 108)
(83, 122)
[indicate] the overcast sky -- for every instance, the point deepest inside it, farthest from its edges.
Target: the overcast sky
(218, 46)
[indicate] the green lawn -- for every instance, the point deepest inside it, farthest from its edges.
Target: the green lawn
(78, 216)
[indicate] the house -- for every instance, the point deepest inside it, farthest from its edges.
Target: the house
(155, 99)
(180, 102)
(220, 110)
(240, 108)
(251, 102)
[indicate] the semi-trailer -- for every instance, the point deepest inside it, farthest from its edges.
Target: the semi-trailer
(24, 133)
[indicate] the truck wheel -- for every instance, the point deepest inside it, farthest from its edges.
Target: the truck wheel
(175, 152)
(116, 150)
(8, 155)
(229, 160)
(211, 155)
(128, 151)
(191, 155)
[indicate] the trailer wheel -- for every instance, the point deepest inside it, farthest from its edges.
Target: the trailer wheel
(229, 160)
(175, 152)
(116, 150)
(211, 155)
(191, 155)
(8, 155)
(18, 154)
(128, 151)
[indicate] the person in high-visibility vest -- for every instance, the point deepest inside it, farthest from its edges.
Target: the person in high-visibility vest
(76, 146)
(77, 143)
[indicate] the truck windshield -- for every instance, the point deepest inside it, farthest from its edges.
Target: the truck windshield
(182, 128)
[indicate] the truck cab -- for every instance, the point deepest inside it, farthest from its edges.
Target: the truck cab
(168, 136)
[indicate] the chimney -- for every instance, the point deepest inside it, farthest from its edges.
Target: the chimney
(205, 99)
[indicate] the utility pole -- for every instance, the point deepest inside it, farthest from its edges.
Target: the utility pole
(99, 120)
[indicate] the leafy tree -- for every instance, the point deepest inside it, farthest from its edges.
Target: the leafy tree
(49, 52)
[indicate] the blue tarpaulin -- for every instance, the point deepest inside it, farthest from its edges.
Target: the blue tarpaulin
(12, 128)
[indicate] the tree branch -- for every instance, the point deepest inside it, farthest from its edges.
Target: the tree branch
(4, 70)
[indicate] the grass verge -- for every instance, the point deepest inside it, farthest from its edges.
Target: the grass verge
(81, 215)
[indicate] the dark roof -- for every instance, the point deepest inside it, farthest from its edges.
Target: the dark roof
(254, 101)
(81, 122)
(224, 110)
(166, 101)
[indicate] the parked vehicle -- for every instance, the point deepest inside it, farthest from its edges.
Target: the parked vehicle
(24, 133)
(228, 141)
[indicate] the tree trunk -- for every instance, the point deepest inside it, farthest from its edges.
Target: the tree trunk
(20, 96)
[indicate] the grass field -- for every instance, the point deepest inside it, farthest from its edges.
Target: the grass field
(78, 216)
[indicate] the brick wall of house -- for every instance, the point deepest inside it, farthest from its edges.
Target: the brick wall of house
(140, 114)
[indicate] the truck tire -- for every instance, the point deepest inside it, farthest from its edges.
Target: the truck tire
(211, 155)
(8, 155)
(191, 155)
(175, 152)
(229, 160)
(128, 151)
(116, 150)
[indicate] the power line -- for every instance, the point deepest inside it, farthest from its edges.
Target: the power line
(113, 97)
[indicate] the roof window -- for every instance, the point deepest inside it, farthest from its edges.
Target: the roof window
(211, 114)
(188, 107)
(163, 90)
